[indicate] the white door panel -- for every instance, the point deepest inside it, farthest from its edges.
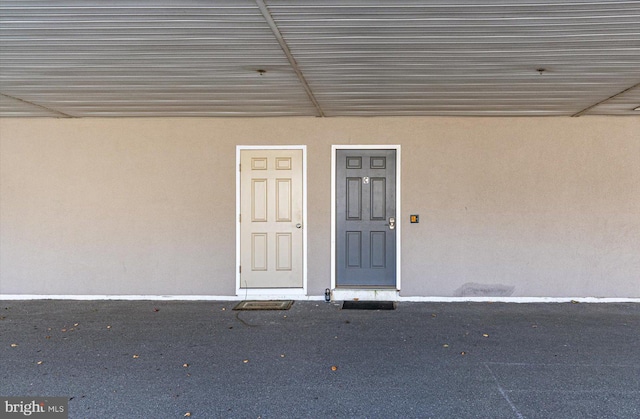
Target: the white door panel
(271, 205)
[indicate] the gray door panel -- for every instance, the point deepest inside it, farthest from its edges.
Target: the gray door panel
(365, 203)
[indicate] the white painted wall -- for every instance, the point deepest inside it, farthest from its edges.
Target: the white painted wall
(518, 206)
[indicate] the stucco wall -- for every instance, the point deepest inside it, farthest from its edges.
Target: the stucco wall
(508, 206)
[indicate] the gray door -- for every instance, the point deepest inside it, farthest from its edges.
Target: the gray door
(365, 218)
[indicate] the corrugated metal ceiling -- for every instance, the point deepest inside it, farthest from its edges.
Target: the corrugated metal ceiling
(90, 58)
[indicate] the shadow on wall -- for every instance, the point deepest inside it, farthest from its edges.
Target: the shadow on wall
(471, 289)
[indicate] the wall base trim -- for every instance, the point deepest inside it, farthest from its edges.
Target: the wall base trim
(519, 299)
(15, 297)
(410, 299)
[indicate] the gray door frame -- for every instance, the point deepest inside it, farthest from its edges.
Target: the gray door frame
(371, 294)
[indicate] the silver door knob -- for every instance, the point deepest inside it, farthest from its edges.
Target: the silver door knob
(298, 225)
(392, 223)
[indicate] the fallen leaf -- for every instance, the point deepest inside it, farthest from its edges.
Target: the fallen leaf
(534, 326)
(156, 309)
(463, 353)
(334, 368)
(224, 309)
(63, 330)
(108, 327)
(47, 337)
(40, 362)
(485, 335)
(14, 345)
(246, 361)
(185, 365)
(136, 356)
(575, 302)
(76, 324)
(281, 355)
(188, 414)
(434, 315)
(446, 345)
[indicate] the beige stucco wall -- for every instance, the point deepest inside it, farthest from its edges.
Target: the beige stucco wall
(516, 206)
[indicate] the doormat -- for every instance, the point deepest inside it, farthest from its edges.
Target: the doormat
(369, 305)
(264, 305)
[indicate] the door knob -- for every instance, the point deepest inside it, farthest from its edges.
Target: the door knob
(298, 225)
(392, 223)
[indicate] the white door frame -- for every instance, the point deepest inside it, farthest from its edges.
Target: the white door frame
(366, 294)
(273, 293)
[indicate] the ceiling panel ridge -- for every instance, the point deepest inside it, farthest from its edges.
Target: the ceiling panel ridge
(285, 48)
(39, 106)
(587, 109)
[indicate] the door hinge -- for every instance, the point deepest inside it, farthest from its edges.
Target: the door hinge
(239, 168)
(239, 269)
(239, 218)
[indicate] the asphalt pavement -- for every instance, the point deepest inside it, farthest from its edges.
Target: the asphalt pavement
(170, 359)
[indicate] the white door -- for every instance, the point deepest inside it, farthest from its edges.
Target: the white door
(271, 216)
